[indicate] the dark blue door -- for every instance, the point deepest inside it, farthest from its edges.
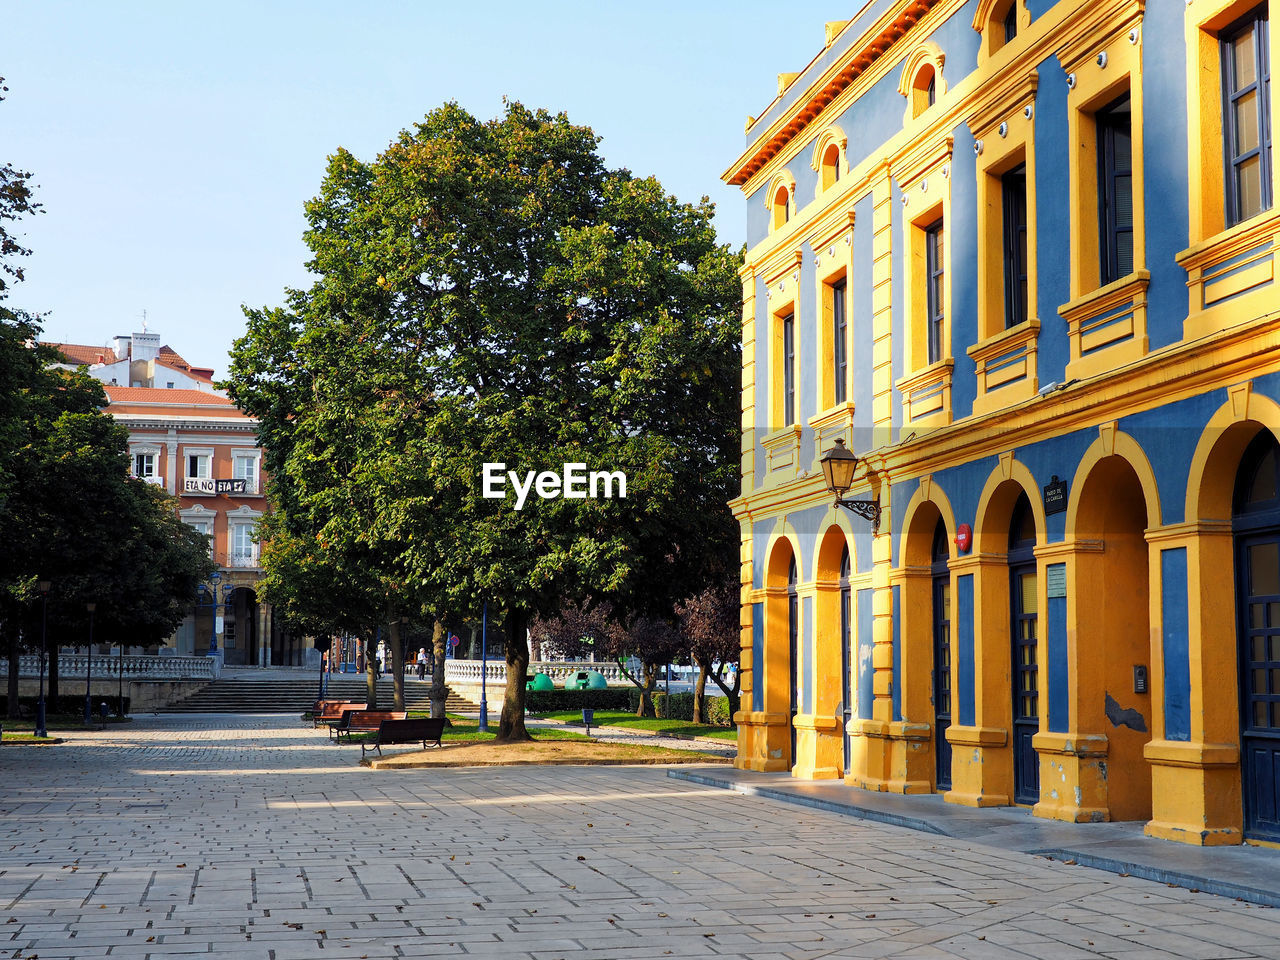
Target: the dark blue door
(1025, 672)
(1257, 529)
(941, 657)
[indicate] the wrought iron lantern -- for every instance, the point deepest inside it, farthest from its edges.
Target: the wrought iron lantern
(838, 468)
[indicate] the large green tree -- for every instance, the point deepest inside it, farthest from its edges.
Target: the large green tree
(491, 292)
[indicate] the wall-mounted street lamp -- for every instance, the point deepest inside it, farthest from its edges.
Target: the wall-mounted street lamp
(838, 468)
(43, 586)
(88, 667)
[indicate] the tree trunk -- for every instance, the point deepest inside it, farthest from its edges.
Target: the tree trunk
(14, 650)
(511, 727)
(52, 693)
(439, 694)
(397, 664)
(647, 708)
(731, 693)
(371, 669)
(700, 691)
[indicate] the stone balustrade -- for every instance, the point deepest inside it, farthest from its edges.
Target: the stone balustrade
(129, 667)
(468, 671)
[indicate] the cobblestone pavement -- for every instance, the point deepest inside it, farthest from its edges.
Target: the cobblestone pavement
(252, 837)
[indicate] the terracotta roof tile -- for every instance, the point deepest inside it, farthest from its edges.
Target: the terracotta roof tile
(163, 395)
(84, 353)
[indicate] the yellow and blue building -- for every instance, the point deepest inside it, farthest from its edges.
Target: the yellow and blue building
(1021, 257)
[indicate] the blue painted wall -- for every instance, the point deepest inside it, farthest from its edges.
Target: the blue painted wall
(964, 693)
(863, 324)
(1174, 633)
(897, 652)
(866, 674)
(757, 656)
(807, 674)
(962, 233)
(1053, 214)
(1164, 119)
(1059, 670)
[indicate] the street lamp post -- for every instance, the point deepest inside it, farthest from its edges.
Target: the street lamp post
(43, 586)
(88, 668)
(484, 667)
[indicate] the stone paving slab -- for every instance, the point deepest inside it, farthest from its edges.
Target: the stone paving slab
(1246, 872)
(231, 836)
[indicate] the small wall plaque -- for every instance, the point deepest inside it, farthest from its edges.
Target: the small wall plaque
(1055, 580)
(1055, 496)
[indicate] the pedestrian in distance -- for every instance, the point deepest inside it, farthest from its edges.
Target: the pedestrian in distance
(422, 663)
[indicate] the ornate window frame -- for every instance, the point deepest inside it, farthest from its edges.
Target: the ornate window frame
(828, 175)
(780, 214)
(988, 20)
(923, 63)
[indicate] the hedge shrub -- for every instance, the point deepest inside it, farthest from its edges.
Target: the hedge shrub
(67, 704)
(551, 701)
(718, 711)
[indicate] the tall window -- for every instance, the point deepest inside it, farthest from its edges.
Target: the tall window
(1014, 189)
(839, 341)
(934, 277)
(144, 466)
(1115, 191)
(789, 369)
(243, 548)
(246, 468)
(198, 466)
(1246, 116)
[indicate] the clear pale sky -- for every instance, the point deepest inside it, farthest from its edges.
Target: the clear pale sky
(174, 144)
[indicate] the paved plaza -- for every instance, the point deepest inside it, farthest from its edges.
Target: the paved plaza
(247, 837)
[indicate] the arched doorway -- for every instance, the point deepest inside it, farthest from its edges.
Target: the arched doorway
(1025, 666)
(941, 577)
(846, 654)
(1256, 529)
(793, 636)
(1113, 635)
(240, 628)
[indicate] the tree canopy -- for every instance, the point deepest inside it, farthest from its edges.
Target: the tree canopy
(492, 292)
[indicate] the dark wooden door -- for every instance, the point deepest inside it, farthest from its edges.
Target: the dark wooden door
(1256, 521)
(1026, 710)
(1024, 674)
(1258, 593)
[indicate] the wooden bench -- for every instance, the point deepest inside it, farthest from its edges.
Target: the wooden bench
(417, 730)
(362, 721)
(330, 711)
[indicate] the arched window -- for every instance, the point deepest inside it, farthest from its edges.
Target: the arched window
(999, 22)
(781, 207)
(779, 197)
(828, 157)
(922, 82)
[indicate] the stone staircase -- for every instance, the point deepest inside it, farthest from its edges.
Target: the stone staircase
(272, 692)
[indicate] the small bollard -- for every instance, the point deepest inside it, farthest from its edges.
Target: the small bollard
(587, 716)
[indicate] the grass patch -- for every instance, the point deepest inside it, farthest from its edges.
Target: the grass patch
(29, 738)
(624, 718)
